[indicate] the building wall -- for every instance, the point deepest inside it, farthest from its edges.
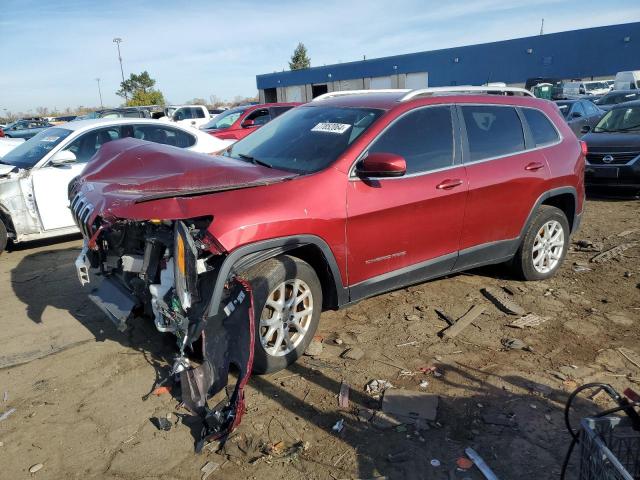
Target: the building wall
(594, 52)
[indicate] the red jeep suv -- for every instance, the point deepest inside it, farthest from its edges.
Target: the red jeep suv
(348, 196)
(236, 123)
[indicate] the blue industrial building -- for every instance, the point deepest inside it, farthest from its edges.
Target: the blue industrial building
(591, 53)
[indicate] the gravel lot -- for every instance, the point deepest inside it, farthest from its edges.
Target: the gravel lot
(77, 384)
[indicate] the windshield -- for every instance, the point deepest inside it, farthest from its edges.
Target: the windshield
(595, 86)
(305, 139)
(620, 120)
(615, 98)
(224, 120)
(27, 154)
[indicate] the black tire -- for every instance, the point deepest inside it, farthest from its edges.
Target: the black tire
(4, 237)
(264, 278)
(523, 260)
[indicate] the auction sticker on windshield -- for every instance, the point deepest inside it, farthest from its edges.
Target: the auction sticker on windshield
(328, 127)
(49, 139)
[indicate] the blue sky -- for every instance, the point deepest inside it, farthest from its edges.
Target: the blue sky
(52, 51)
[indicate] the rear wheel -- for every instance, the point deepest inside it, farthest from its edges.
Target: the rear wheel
(4, 236)
(544, 245)
(287, 298)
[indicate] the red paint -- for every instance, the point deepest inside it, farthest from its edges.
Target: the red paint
(243, 127)
(371, 226)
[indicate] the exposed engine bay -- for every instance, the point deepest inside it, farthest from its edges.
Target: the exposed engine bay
(166, 271)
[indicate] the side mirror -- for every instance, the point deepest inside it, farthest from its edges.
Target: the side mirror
(248, 124)
(63, 157)
(382, 165)
(585, 129)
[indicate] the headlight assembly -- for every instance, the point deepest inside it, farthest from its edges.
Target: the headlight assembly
(185, 266)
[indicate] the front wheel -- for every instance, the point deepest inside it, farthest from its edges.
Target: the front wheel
(544, 245)
(287, 298)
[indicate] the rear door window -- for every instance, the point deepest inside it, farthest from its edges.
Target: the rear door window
(260, 116)
(542, 130)
(424, 137)
(492, 131)
(86, 146)
(590, 108)
(164, 135)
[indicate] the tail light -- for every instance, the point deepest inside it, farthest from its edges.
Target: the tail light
(1, 133)
(584, 148)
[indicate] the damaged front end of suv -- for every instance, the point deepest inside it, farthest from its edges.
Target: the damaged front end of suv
(167, 269)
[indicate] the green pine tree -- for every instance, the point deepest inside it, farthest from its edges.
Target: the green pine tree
(299, 59)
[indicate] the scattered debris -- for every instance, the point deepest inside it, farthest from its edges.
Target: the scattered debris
(580, 267)
(399, 457)
(587, 246)
(36, 468)
(339, 426)
(499, 419)
(431, 371)
(343, 397)
(613, 252)
(315, 348)
(424, 384)
(630, 355)
(480, 463)
(515, 344)
(626, 233)
(445, 317)
(161, 423)
(353, 353)
(435, 462)
(502, 301)
(410, 406)
(376, 387)
(464, 463)
(338, 341)
(383, 421)
(409, 344)
(7, 414)
(208, 469)
(530, 320)
(5, 397)
(412, 317)
(463, 322)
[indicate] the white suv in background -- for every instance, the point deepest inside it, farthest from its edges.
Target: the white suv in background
(34, 176)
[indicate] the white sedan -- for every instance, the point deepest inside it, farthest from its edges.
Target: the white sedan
(34, 176)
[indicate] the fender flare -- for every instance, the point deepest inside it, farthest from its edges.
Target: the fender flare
(554, 192)
(248, 255)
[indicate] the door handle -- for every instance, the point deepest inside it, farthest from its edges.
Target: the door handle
(534, 166)
(449, 184)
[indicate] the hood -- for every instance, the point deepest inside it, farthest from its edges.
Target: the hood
(612, 142)
(149, 171)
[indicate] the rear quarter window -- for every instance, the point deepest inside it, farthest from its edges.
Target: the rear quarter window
(492, 131)
(542, 130)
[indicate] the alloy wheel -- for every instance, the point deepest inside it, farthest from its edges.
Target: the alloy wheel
(286, 317)
(548, 246)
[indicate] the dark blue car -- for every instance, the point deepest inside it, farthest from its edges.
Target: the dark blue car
(24, 128)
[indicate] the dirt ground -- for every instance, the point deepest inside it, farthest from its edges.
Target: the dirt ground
(76, 383)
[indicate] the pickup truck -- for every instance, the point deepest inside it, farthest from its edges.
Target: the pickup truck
(188, 115)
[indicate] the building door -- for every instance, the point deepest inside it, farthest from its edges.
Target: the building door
(270, 95)
(417, 80)
(380, 82)
(317, 90)
(293, 94)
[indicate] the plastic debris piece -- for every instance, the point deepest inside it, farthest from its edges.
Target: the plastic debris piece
(502, 301)
(530, 320)
(435, 462)
(515, 344)
(35, 468)
(161, 390)
(161, 423)
(480, 463)
(464, 463)
(5, 397)
(343, 397)
(463, 322)
(7, 414)
(613, 252)
(424, 384)
(208, 469)
(339, 426)
(375, 387)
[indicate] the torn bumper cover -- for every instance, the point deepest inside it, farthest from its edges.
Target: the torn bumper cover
(166, 271)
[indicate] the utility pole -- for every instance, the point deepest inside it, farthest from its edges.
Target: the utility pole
(118, 41)
(99, 92)
(542, 27)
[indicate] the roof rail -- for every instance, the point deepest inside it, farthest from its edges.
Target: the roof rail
(339, 93)
(496, 90)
